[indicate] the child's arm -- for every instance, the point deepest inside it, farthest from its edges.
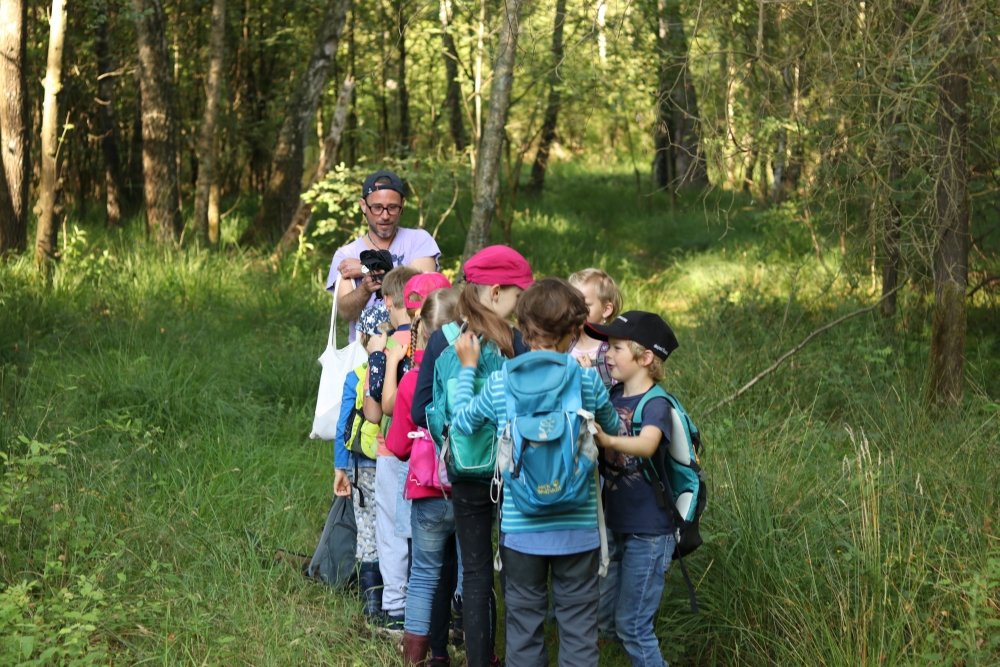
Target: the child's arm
(374, 384)
(643, 445)
(477, 410)
(393, 357)
(596, 399)
(341, 484)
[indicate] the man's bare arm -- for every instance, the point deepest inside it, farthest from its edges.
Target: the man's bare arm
(352, 300)
(424, 264)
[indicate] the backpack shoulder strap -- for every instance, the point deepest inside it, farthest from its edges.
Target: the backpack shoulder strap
(655, 392)
(601, 364)
(451, 332)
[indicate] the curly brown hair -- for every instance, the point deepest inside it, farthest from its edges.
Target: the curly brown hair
(548, 311)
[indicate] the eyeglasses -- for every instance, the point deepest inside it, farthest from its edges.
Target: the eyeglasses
(378, 209)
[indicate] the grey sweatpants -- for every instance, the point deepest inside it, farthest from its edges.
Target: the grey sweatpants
(575, 596)
(392, 550)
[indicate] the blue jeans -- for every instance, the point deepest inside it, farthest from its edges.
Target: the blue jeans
(433, 522)
(641, 561)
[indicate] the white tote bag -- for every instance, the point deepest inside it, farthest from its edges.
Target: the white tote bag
(336, 365)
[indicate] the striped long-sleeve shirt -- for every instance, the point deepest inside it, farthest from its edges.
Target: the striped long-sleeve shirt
(490, 407)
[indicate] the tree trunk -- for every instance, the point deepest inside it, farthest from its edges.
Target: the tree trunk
(488, 164)
(159, 130)
(453, 96)
(46, 241)
(890, 265)
(15, 125)
(537, 181)
(405, 139)
(281, 199)
(331, 145)
(135, 177)
(351, 159)
(206, 144)
(113, 186)
(677, 128)
(951, 257)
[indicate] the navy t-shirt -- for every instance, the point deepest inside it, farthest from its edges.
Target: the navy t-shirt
(630, 504)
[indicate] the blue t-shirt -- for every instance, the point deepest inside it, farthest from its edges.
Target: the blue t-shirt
(630, 504)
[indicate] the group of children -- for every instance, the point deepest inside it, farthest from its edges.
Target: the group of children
(425, 530)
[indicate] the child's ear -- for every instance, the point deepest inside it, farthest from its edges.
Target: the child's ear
(495, 292)
(388, 303)
(608, 309)
(647, 359)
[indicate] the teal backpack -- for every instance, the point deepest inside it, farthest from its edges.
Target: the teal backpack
(467, 457)
(676, 476)
(549, 472)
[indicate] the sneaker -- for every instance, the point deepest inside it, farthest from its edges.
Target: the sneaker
(391, 625)
(435, 661)
(496, 662)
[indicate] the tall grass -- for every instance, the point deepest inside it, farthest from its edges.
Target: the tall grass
(155, 407)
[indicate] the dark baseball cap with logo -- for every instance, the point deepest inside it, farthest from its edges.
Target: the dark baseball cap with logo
(647, 329)
(394, 183)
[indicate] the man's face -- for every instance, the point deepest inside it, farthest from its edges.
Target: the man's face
(382, 208)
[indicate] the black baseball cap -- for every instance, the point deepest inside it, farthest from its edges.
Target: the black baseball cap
(647, 329)
(395, 184)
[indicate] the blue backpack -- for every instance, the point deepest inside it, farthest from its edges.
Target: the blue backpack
(467, 457)
(547, 472)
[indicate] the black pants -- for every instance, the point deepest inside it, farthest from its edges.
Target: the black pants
(575, 597)
(441, 604)
(474, 527)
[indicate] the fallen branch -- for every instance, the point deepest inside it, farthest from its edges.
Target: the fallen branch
(783, 358)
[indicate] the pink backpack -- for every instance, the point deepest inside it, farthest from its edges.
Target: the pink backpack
(427, 469)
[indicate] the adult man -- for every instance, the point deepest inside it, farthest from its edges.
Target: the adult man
(382, 201)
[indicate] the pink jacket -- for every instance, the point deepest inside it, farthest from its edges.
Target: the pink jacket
(398, 440)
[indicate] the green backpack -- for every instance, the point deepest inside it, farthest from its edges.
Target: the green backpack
(467, 457)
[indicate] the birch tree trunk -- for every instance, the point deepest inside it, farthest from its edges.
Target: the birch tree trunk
(47, 236)
(281, 199)
(537, 181)
(159, 130)
(453, 94)
(113, 186)
(206, 144)
(945, 371)
(405, 139)
(15, 125)
(331, 146)
(488, 164)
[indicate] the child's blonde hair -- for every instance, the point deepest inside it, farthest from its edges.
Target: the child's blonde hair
(394, 284)
(604, 285)
(656, 370)
(438, 309)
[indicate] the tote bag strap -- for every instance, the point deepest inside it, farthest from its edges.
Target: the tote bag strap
(331, 340)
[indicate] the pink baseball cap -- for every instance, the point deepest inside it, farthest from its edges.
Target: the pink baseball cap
(423, 284)
(498, 265)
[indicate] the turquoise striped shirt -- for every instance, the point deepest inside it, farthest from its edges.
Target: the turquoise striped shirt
(490, 406)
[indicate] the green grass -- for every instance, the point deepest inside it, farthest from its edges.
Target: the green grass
(847, 527)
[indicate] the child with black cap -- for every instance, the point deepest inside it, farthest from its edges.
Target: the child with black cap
(644, 533)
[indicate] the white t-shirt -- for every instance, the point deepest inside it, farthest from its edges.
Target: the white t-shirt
(407, 245)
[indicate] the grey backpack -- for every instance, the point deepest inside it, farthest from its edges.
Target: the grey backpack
(333, 560)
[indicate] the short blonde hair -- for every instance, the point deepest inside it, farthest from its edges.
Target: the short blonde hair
(394, 284)
(607, 290)
(655, 369)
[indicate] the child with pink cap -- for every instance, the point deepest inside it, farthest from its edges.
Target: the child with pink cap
(494, 279)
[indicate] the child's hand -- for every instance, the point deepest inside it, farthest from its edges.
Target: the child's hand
(467, 348)
(394, 355)
(341, 484)
(376, 343)
(602, 438)
(585, 361)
